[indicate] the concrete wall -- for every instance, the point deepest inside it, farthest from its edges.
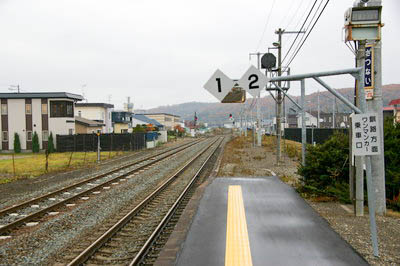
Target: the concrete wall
(119, 126)
(82, 129)
(163, 137)
(16, 122)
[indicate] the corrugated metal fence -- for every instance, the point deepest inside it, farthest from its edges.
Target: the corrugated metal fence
(317, 135)
(114, 142)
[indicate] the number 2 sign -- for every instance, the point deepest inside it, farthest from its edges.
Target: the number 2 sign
(253, 81)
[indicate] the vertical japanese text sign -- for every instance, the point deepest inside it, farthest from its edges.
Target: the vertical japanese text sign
(366, 136)
(369, 71)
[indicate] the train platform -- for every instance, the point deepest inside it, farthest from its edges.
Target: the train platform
(260, 221)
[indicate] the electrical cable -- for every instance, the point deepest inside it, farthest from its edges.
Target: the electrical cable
(306, 30)
(265, 27)
(297, 35)
(308, 33)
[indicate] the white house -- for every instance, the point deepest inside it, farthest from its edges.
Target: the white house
(311, 121)
(43, 113)
(100, 112)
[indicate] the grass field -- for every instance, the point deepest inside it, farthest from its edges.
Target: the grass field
(31, 165)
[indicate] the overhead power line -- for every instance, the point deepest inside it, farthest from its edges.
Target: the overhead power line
(297, 35)
(265, 26)
(297, 51)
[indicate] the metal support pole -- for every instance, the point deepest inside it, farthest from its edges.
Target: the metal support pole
(358, 160)
(279, 99)
(376, 105)
(258, 108)
(318, 125)
(303, 123)
(98, 148)
(370, 187)
(371, 206)
(245, 125)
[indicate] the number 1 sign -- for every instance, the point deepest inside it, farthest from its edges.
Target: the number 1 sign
(219, 85)
(253, 81)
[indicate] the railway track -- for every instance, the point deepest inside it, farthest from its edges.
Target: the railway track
(128, 239)
(21, 214)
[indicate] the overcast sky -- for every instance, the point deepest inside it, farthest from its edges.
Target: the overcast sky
(163, 52)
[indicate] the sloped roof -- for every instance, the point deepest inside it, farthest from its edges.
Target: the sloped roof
(393, 102)
(147, 120)
(88, 122)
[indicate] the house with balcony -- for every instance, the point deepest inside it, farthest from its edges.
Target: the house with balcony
(40, 112)
(98, 112)
(121, 121)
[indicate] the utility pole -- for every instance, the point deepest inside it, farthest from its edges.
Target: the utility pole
(318, 112)
(279, 96)
(333, 114)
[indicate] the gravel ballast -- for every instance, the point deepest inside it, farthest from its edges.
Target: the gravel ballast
(39, 245)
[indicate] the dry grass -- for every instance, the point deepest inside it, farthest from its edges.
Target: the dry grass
(393, 214)
(32, 165)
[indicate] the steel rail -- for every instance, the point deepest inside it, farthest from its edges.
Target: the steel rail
(40, 198)
(43, 211)
(104, 238)
(140, 256)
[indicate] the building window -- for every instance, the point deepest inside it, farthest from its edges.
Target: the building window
(345, 118)
(44, 108)
(124, 131)
(71, 131)
(45, 135)
(28, 109)
(5, 136)
(28, 135)
(61, 109)
(4, 109)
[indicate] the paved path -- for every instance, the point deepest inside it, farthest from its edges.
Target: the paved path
(264, 223)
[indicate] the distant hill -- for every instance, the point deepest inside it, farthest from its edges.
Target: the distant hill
(217, 113)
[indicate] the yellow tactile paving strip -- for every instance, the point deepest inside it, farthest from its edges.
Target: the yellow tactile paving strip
(237, 239)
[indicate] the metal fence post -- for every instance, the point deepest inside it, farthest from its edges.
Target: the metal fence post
(303, 123)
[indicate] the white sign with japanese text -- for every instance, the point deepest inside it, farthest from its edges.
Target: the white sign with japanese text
(366, 137)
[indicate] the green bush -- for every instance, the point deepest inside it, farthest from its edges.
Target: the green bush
(35, 143)
(139, 128)
(17, 143)
(392, 163)
(327, 168)
(50, 144)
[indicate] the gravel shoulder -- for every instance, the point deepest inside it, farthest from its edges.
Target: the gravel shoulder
(240, 158)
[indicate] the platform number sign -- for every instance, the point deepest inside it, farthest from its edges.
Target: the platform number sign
(366, 137)
(253, 81)
(219, 85)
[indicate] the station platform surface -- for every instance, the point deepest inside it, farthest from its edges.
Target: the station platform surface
(261, 221)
